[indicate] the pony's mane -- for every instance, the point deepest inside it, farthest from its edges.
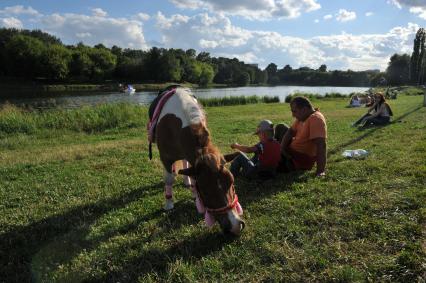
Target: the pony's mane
(207, 151)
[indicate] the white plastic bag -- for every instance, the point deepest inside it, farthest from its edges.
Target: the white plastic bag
(355, 153)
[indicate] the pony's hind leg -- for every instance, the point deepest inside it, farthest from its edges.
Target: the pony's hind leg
(169, 179)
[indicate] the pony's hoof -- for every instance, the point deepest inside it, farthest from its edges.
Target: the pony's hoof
(169, 205)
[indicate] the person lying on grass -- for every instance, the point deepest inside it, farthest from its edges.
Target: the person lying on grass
(378, 114)
(304, 143)
(266, 155)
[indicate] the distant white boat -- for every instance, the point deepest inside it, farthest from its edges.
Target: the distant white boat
(129, 89)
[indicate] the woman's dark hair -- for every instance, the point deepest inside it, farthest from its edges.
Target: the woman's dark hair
(380, 100)
(301, 102)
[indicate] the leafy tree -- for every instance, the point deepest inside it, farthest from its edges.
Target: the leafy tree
(170, 69)
(261, 77)
(287, 69)
(23, 54)
(190, 53)
(323, 68)
(242, 78)
(398, 69)
(207, 74)
(204, 57)
(117, 51)
(417, 56)
(151, 64)
(55, 60)
(81, 64)
(271, 69)
(193, 70)
(103, 63)
(44, 37)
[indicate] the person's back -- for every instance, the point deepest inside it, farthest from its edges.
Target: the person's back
(270, 155)
(355, 102)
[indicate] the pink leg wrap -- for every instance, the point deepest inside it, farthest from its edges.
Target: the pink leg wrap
(200, 207)
(209, 219)
(239, 209)
(168, 193)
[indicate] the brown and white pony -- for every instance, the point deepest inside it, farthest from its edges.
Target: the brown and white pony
(181, 134)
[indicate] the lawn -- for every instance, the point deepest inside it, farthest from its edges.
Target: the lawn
(81, 201)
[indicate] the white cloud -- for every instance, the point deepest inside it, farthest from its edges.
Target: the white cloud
(201, 31)
(254, 9)
(218, 36)
(421, 12)
(207, 44)
(143, 16)
(327, 17)
(98, 12)
(345, 16)
(83, 34)
(93, 29)
(316, 21)
(19, 10)
(369, 14)
(166, 23)
(408, 3)
(417, 7)
(11, 23)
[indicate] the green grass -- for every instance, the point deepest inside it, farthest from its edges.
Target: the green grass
(237, 100)
(80, 201)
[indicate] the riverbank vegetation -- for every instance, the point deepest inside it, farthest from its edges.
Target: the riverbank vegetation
(81, 201)
(42, 59)
(237, 100)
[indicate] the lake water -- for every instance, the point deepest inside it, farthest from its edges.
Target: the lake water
(79, 99)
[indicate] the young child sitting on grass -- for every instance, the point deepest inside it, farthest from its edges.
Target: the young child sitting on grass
(267, 154)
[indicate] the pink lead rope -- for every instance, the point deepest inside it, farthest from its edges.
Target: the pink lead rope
(153, 121)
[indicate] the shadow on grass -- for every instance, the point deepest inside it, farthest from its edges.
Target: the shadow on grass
(68, 232)
(18, 246)
(190, 249)
(370, 131)
(193, 247)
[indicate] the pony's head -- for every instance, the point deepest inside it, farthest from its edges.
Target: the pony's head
(215, 184)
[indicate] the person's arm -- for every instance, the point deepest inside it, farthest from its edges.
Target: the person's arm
(371, 108)
(379, 111)
(244, 148)
(285, 142)
(321, 155)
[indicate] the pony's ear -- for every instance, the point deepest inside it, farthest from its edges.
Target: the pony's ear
(188, 171)
(231, 156)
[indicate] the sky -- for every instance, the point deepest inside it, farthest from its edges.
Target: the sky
(356, 35)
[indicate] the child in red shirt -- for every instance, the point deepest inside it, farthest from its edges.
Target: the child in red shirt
(267, 154)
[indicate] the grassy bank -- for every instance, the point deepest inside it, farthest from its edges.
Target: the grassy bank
(237, 100)
(80, 201)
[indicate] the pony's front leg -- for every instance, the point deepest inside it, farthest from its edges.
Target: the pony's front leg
(188, 181)
(169, 179)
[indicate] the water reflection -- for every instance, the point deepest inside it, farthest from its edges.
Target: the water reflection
(79, 99)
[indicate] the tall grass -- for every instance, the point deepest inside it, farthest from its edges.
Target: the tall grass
(316, 96)
(87, 119)
(237, 100)
(15, 120)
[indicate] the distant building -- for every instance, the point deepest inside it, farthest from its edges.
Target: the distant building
(254, 65)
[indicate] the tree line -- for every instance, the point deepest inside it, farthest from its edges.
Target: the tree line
(36, 55)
